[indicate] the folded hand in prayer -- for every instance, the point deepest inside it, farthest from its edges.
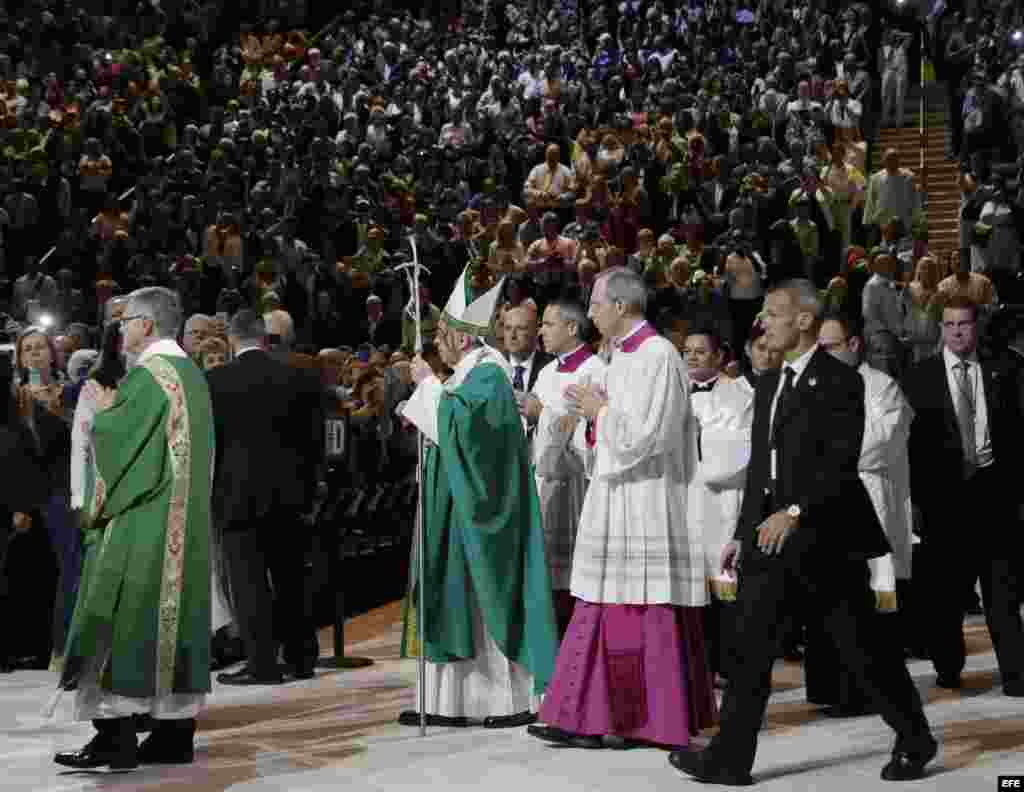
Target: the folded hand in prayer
(585, 400)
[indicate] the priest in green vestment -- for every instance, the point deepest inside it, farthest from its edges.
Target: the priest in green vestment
(139, 642)
(489, 632)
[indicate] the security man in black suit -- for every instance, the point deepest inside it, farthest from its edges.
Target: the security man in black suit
(965, 463)
(806, 529)
(269, 445)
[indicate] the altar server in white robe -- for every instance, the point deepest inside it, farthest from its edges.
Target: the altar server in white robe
(722, 411)
(631, 668)
(885, 471)
(559, 462)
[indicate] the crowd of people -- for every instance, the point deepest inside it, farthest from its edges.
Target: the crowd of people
(714, 150)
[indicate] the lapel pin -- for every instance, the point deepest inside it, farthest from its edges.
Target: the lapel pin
(812, 382)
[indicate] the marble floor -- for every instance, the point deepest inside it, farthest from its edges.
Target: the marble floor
(338, 731)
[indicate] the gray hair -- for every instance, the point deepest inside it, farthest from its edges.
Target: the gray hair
(196, 317)
(248, 327)
(572, 311)
(160, 305)
(111, 304)
(804, 293)
(625, 286)
(81, 363)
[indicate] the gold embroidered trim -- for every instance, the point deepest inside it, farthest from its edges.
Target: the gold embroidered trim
(179, 444)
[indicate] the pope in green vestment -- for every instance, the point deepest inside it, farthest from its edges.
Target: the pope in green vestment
(141, 628)
(486, 586)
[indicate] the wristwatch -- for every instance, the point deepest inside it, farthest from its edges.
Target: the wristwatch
(794, 511)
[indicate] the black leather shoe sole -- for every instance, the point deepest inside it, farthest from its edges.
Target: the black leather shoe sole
(695, 765)
(557, 736)
(839, 712)
(412, 718)
(248, 679)
(166, 757)
(906, 766)
(616, 743)
(949, 681)
(510, 721)
(92, 760)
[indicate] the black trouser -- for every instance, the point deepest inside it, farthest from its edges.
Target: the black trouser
(767, 586)
(826, 677)
(719, 635)
(951, 562)
(276, 544)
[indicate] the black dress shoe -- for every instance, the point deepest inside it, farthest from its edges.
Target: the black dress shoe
(246, 677)
(1014, 688)
(143, 723)
(698, 766)
(553, 734)
(510, 721)
(36, 663)
(617, 743)
(907, 765)
(412, 718)
(169, 743)
(302, 670)
(156, 749)
(949, 681)
(100, 752)
(847, 712)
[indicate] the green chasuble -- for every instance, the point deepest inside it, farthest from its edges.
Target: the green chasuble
(142, 621)
(483, 529)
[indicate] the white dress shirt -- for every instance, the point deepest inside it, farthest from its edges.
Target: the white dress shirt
(982, 438)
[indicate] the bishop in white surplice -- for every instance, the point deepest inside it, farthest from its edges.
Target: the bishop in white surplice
(632, 666)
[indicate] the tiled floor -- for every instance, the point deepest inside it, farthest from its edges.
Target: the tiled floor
(337, 732)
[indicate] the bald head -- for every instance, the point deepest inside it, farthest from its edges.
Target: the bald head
(280, 323)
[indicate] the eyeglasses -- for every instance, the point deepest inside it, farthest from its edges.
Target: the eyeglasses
(958, 325)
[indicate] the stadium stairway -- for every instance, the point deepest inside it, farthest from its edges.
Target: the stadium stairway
(942, 185)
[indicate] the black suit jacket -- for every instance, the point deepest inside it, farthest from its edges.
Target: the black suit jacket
(819, 435)
(936, 450)
(387, 331)
(268, 418)
(730, 193)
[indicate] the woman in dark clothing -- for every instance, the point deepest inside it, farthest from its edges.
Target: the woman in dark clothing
(27, 564)
(38, 374)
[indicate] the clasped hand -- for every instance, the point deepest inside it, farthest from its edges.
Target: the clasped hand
(105, 398)
(586, 400)
(529, 406)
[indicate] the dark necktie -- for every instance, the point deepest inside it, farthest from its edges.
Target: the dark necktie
(966, 410)
(784, 395)
(706, 388)
(518, 382)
